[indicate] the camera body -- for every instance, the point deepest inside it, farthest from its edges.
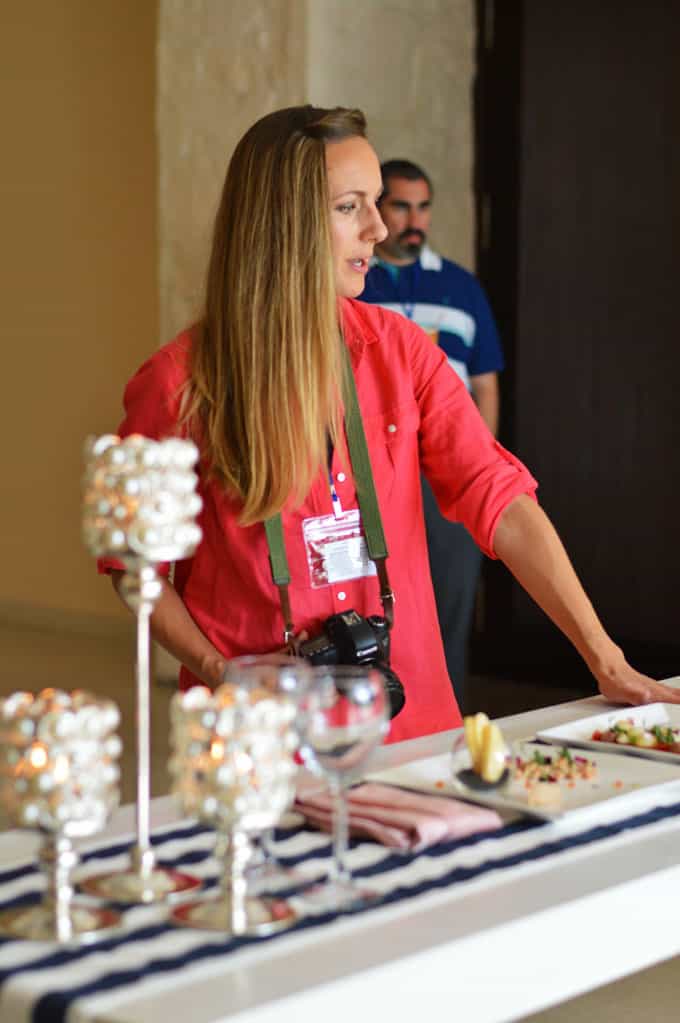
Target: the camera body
(349, 638)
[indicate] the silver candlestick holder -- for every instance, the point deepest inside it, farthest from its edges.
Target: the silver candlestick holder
(58, 775)
(233, 766)
(139, 506)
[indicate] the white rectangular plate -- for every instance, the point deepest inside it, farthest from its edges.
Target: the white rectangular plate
(617, 777)
(579, 733)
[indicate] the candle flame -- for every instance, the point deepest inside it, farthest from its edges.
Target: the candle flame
(37, 755)
(217, 749)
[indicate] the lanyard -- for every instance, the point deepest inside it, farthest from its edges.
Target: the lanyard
(368, 504)
(335, 500)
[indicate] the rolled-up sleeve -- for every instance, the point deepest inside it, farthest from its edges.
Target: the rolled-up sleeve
(473, 477)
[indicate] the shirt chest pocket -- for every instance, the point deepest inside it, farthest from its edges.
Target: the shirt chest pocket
(392, 439)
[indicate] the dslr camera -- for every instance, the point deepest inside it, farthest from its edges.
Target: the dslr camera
(349, 638)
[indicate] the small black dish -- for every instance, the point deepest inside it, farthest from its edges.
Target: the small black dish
(473, 781)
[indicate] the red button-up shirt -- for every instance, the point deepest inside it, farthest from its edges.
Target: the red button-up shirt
(417, 416)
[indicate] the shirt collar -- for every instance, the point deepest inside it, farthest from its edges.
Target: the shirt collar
(356, 329)
(429, 259)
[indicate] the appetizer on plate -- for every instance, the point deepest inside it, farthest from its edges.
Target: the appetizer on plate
(627, 732)
(542, 773)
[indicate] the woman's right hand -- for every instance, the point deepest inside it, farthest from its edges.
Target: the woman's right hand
(173, 627)
(296, 642)
(212, 669)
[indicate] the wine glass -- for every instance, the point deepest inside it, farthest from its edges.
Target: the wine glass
(346, 720)
(291, 678)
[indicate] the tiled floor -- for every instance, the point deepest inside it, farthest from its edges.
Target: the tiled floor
(33, 659)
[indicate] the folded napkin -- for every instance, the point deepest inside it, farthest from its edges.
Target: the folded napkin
(399, 818)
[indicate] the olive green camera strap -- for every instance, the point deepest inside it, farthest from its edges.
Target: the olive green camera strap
(368, 504)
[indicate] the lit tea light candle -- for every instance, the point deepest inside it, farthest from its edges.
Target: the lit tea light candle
(140, 498)
(233, 766)
(140, 502)
(58, 760)
(58, 773)
(38, 755)
(235, 746)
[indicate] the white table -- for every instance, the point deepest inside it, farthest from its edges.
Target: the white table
(537, 936)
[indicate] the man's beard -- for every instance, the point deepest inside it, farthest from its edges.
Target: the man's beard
(411, 248)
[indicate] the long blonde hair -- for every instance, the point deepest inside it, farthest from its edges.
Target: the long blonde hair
(265, 389)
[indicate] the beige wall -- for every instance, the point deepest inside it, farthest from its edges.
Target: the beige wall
(78, 271)
(407, 63)
(220, 67)
(116, 134)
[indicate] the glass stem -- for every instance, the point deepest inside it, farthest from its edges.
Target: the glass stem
(266, 838)
(58, 860)
(143, 855)
(237, 849)
(339, 871)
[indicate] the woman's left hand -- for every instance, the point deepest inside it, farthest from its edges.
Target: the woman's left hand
(526, 541)
(626, 685)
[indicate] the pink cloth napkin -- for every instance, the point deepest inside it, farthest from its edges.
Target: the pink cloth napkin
(399, 818)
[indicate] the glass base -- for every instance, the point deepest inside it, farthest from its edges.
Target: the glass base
(269, 875)
(38, 923)
(262, 916)
(132, 886)
(340, 896)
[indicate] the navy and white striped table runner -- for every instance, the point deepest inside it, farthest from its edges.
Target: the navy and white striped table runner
(45, 983)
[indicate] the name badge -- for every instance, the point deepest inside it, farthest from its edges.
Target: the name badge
(336, 548)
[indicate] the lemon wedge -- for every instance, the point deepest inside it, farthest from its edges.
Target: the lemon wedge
(486, 746)
(492, 758)
(474, 726)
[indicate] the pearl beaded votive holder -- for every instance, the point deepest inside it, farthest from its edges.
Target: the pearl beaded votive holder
(58, 775)
(139, 506)
(140, 498)
(233, 766)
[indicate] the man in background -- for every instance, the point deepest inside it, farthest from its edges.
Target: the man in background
(407, 277)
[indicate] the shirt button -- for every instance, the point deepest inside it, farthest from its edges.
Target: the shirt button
(341, 477)
(391, 428)
(342, 595)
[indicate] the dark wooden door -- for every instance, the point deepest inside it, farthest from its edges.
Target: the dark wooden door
(579, 192)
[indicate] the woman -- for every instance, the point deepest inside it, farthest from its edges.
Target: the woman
(257, 385)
